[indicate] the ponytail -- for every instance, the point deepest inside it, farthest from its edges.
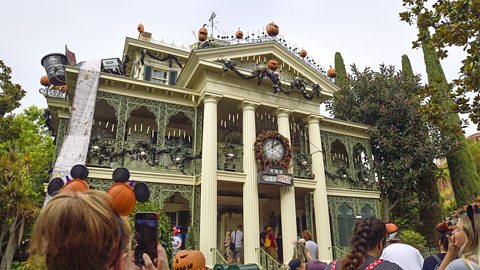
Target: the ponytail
(367, 235)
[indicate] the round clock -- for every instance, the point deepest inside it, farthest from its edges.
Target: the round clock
(272, 150)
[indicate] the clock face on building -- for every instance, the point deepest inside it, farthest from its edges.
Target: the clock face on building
(274, 149)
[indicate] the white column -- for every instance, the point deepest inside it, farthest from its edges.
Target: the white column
(287, 195)
(251, 238)
(322, 219)
(208, 200)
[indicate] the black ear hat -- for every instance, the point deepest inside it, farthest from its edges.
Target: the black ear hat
(79, 172)
(54, 186)
(142, 192)
(120, 175)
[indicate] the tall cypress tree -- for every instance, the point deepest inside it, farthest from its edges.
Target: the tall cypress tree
(463, 174)
(428, 193)
(342, 78)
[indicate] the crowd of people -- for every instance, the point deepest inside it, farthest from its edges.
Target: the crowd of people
(82, 230)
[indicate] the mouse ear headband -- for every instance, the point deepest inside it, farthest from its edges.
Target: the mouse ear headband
(78, 184)
(124, 195)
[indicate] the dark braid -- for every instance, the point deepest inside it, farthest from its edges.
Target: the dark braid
(367, 235)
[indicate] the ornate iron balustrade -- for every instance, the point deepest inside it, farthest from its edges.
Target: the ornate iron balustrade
(302, 166)
(267, 262)
(230, 157)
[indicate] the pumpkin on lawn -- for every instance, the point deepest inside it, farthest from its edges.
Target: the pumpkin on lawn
(272, 29)
(189, 260)
(202, 33)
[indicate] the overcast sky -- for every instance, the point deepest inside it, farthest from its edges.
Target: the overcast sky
(367, 32)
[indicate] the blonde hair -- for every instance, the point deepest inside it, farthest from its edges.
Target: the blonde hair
(77, 230)
(472, 243)
(300, 251)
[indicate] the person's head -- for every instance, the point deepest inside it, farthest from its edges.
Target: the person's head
(296, 264)
(368, 237)
(467, 234)
(268, 229)
(393, 235)
(80, 230)
(307, 235)
(228, 233)
(444, 230)
(300, 250)
(239, 227)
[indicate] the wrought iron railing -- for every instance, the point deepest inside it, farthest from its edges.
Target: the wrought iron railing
(340, 252)
(230, 157)
(217, 257)
(267, 262)
(302, 166)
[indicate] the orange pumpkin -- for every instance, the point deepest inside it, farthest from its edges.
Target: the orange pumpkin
(76, 185)
(189, 260)
(331, 73)
(272, 64)
(140, 28)
(45, 81)
(202, 33)
(239, 34)
(123, 198)
(303, 53)
(272, 29)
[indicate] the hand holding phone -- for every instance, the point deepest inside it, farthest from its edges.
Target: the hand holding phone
(146, 236)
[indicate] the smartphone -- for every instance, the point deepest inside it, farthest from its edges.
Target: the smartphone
(146, 236)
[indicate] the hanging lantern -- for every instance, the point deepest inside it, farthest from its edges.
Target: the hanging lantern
(239, 34)
(202, 33)
(303, 53)
(272, 29)
(272, 64)
(140, 28)
(331, 72)
(45, 81)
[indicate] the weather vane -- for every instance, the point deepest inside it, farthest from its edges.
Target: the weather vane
(212, 22)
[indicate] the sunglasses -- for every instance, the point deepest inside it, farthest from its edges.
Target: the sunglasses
(471, 211)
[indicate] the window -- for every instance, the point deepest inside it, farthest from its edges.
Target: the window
(160, 76)
(367, 211)
(346, 221)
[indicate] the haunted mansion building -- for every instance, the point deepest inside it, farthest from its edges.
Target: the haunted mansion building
(225, 132)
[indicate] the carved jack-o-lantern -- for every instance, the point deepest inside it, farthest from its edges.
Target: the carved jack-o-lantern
(331, 73)
(303, 53)
(140, 28)
(189, 260)
(272, 29)
(272, 64)
(45, 81)
(202, 33)
(239, 34)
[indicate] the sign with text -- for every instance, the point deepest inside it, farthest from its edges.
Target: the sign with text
(275, 176)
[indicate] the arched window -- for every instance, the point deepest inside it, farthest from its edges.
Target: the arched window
(346, 222)
(360, 159)
(367, 211)
(339, 155)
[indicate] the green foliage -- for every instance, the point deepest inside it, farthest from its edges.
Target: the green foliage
(24, 163)
(413, 238)
(474, 148)
(456, 23)
(164, 228)
(342, 78)
(11, 93)
(400, 138)
(407, 68)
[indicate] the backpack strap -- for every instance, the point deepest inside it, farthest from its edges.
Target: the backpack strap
(435, 256)
(374, 264)
(334, 265)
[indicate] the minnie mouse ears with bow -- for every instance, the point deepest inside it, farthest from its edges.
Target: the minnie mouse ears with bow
(124, 195)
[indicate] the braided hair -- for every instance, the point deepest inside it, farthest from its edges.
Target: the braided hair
(368, 233)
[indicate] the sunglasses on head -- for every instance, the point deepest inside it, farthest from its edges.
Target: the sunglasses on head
(471, 211)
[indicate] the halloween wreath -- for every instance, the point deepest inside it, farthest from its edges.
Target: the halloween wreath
(270, 156)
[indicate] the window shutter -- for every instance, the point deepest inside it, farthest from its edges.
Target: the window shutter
(148, 73)
(173, 77)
